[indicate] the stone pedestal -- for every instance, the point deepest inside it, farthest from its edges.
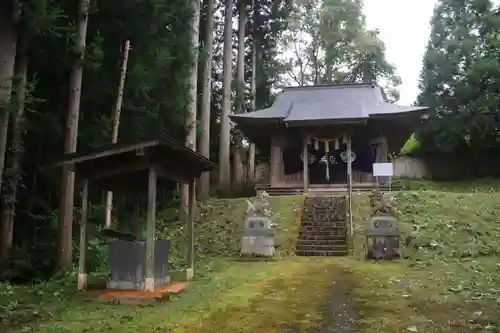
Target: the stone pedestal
(382, 238)
(258, 237)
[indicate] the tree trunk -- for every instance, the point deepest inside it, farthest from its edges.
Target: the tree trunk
(116, 125)
(240, 90)
(190, 123)
(64, 249)
(8, 43)
(13, 167)
(224, 149)
(240, 70)
(204, 184)
(253, 85)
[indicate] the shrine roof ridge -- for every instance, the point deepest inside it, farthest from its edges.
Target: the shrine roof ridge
(335, 102)
(330, 86)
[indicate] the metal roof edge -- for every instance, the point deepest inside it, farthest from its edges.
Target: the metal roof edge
(332, 85)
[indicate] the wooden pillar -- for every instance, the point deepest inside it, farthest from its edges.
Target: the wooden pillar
(149, 281)
(349, 183)
(384, 150)
(251, 164)
(275, 161)
(82, 260)
(190, 230)
(305, 164)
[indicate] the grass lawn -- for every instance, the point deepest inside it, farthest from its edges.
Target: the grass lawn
(449, 281)
(274, 296)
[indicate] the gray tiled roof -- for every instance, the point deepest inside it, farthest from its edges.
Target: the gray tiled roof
(328, 102)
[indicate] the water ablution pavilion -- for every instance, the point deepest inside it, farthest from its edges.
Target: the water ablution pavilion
(141, 167)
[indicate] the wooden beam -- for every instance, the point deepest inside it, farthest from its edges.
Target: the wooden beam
(349, 183)
(149, 281)
(305, 164)
(82, 259)
(119, 149)
(190, 230)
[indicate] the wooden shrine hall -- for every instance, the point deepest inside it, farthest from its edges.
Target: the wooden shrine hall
(132, 169)
(329, 136)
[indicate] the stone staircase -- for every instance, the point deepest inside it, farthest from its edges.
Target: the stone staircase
(323, 230)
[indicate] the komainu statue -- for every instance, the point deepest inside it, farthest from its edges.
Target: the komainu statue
(380, 204)
(260, 205)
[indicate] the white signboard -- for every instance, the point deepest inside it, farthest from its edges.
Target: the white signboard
(383, 170)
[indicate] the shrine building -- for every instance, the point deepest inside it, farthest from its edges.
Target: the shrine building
(312, 131)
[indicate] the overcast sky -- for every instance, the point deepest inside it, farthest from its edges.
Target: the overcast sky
(404, 27)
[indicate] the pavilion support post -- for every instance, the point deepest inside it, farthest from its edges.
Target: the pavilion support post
(82, 260)
(305, 166)
(190, 230)
(349, 184)
(149, 282)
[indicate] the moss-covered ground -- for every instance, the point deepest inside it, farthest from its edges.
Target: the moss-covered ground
(449, 281)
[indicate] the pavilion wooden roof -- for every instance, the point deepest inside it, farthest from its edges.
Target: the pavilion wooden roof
(125, 166)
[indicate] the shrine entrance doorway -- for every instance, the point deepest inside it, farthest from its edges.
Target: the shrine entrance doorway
(328, 162)
(328, 166)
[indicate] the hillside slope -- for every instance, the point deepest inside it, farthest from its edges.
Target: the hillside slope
(219, 227)
(450, 279)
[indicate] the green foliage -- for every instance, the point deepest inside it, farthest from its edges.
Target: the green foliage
(448, 283)
(154, 102)
(410, 146)
(218, 234)
(219, 227)
(450, 270)
(327, 41)
(459, 79)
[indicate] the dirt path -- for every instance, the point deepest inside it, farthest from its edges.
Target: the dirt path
(305, 296)
(340, 315)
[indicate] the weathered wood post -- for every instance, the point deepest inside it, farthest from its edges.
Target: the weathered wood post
(190, 230)
(349, 183)
(305, 165)
(82, 260)
(149, 281)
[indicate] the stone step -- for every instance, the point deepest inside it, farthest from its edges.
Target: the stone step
(314, 202)
(326, 218)
(320, 242)
(341, 223)
(320, 229)
(331, 232)
(322, 235)
(309, 223)
(323, 221)
(316, 247)
(318, 237)
(328, 204)
(322, 253)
